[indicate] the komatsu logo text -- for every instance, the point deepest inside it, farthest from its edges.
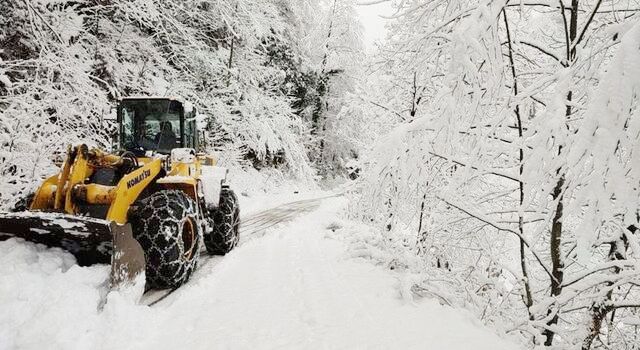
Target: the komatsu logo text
(136, 180)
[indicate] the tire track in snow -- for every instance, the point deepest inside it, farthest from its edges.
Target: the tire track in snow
(251, 227)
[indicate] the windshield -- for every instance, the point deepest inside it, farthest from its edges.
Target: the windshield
(151, 125)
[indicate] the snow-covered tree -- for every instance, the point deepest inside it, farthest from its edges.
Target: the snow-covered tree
(511, 171)
(64, 63)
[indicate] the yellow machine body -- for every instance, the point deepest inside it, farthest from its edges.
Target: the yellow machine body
(81, 163)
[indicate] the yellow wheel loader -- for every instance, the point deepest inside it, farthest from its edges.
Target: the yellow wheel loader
(149, 206)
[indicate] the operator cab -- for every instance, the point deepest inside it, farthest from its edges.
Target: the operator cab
(156, 125)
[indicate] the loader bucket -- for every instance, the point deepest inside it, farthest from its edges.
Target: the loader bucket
(127, 260)
(90, 240)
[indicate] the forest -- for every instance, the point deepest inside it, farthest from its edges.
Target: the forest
(489, 150)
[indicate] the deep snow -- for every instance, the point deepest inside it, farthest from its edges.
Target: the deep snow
(293, 287)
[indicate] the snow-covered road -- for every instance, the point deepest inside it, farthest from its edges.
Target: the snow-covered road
(293, 287)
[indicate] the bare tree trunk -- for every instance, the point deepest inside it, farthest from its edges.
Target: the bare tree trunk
(523, 262)
(320, 116)
(557, 264)
(556, 225)
(415, 100)
(600, 309)
(424, 198)
(329, 33)
(231, 49)
(233, 41)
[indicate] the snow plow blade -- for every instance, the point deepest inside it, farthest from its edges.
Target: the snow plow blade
(90, 240)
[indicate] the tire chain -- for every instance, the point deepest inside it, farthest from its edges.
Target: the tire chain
(223, 224)
(157, 222)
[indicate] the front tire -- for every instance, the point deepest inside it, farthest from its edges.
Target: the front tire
(166, 226)
(223, 224)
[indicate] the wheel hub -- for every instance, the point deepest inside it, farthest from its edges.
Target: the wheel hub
(188, 238)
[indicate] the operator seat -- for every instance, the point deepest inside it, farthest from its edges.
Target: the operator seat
(166, 139)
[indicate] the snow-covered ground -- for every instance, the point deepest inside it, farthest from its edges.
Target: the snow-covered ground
(296, 286)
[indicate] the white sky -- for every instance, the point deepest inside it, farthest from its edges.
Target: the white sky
(372, 22)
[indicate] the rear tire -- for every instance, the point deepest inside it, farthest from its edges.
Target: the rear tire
(166, 226)
(223, 224)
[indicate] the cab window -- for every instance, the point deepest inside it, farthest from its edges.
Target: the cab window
(151, 125)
